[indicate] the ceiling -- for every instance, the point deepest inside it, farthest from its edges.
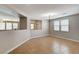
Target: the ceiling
(37, 11)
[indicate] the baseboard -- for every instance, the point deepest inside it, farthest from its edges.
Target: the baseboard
(15, 47)
(36, 37)
(40, 36)
(65, 38)
(23, 43)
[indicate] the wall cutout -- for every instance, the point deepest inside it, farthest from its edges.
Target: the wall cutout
(36, 24)
(11, 20)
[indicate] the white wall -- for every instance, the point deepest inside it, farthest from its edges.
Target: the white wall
(11, 39)
(43, 32)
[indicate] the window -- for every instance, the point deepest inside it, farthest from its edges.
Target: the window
(8, 26)
(2, 26)
(62, 25)
(56, 25)
(65, 25)
(32, 26)
(15, 26)
(36, 24)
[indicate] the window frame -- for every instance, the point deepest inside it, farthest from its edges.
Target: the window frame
(65, 25)
(32, 28)
(62, 25)
(36, 23)
(4, 26)
(56, 25)
(11, 25)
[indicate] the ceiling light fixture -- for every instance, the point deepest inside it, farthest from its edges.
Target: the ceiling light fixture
(48, 14)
